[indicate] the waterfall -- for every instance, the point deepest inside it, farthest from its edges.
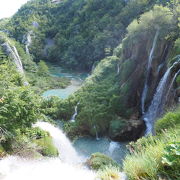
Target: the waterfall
(118, 69)
(73, 118)
(62, 143)
(157, 103)
(97, 137)
(52, 168)
(62, 167)
(15, 56)
(93, 67)
(172, 82)
(112, 146)
(28, 42)
(12, 51)
(144, 93)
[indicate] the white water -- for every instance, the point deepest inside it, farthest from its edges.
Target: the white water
(97, 137)
(144, 93)
(62, 143)
(15, 56)
(118, 68)
(156, 104)
(14, 168)
(172, 82)
(73, 118)
(65, 167)
(28, 42)
(112, 146)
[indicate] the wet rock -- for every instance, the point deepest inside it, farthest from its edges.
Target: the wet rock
(133, 130)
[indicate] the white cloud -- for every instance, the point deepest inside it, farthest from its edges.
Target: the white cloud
(9, 7)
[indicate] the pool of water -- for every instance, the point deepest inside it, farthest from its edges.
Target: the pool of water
(85, 146)
(76, 82)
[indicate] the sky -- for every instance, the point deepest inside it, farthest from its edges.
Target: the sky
(9, 7)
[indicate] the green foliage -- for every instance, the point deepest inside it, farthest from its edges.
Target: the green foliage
(145, 160)
(170, 120)
(109, 173)
(46, 146)
(19, 108)
(41, 83)
(116, 126)
(43, 69)
(83, 30)
(171, 160)
(99, 161)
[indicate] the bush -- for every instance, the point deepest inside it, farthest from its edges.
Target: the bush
(145, 161)
(170, 120)
(99, 161)
(109, 173)
(171, 160)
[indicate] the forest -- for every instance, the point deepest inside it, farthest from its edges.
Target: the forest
(111, 72)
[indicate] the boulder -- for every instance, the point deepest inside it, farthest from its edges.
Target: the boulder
(133, 130)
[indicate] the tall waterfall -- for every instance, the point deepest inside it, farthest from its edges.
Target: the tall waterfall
(144, 93)
(12, 51)
(157, 103)
(28, 42)
(62, 167)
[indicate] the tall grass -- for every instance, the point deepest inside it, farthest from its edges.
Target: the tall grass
(146, 160)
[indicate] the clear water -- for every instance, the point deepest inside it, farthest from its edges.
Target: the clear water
(76, 82)
(85, 146)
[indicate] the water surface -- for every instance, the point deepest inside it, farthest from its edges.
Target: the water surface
(75, 78)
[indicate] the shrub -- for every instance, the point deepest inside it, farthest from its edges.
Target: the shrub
(170, 120)
(109, 173)
(99, 161)
(171, 160)
(47, 147)
(145, 161)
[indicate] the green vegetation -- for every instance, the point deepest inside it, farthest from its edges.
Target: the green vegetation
(46, 147)
(84, 32)
(99, 161)
(156, 157)
(109, 173)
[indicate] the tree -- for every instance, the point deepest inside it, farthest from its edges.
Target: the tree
(42, 68)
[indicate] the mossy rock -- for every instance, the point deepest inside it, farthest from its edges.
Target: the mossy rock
(116, 126)
(99, 161)
(46, 147)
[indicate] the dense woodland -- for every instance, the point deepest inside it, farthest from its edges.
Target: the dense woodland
(111, 40)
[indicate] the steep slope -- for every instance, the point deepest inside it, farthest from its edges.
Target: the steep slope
(111, 99)
(82, 32)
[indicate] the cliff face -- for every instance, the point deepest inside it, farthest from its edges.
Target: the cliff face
(132, 79)
(133, 71)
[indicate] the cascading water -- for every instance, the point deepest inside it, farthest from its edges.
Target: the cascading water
(144, 93)
(157, 103)
(12, 51)
(73, 118)
(28, 42)
(112, 146)
(62, 143)
(63, 167)
(172, 82)
(118, 68)
(97, 137)
(15, 56)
